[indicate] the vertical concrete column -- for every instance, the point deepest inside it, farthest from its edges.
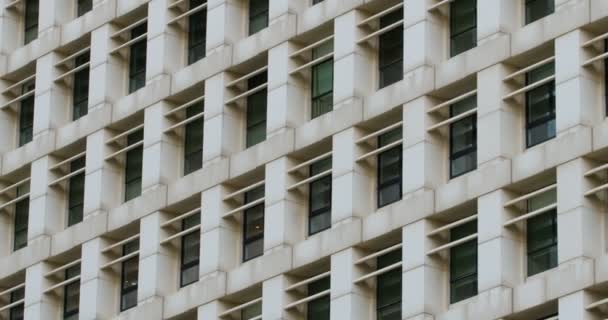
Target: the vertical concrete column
(351, 191)
(423, 41)
(577, 101)
(54, 13)
(39, 306)
(47, 210)
(578, 219)
(51, 102)
(9, 120)
(106, 70)
(347, 300)
(278, 9)
(223, 125)
(163, 56)
(98, 289)
(103, 179)
(274, 298)
(495, 115)
(162, 156)
(283, 208)
(220, 237)
(422, 152)
(157, 268)
(353, 64)
(6, 224)
(225, 18)
(424, 278)
(496, 18)
(499, 258)
(286, 94)
(573, 306)
(10, 24)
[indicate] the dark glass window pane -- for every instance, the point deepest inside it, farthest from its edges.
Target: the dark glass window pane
(22, 210)
(318, 309)
(193, 144)
(536, 9)
(390, 50)
(463, 138)
(197, 32)
(76, 192)
(253, 226)
(190, 251)
(542, 235)
(256, 111)
(463, 263)
(251, 311)
(129, 281)
(133, 168)
(16, 312)
(71, 294)
(137, 61)
(540, 107)
(389, 169)
(322, 81)
(463, 26)
(84, 6)
(320, 198)
(81, 88)
(388, 288)
(26, 115)
(258, 15)
(31, 21)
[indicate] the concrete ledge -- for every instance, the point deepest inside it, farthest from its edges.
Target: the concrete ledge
(259, 269)
(257, 156)
(38, 147)
(97, 118)
(133, 210)
(92, 226)
(194, 295)
(36, 250)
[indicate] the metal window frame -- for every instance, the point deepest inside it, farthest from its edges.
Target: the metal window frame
(382, 45)
(323, 210)
(531, 125)
(252, 83)
(249, 240)
(137, 48)
(252, 17)
(527, 3)
(27, 23)
(66, 288)
(129, 153)
(21, 229)
(314, 70)
(195, 263)
(80, 76)
(21, 306)
(71, 181)
(553, 214)
(83, 8)
(187, 128)
(192, 19)
(124, 291)
(391, 273)
(456, 155)
(381, 185)
(451, 265)
(454, 35)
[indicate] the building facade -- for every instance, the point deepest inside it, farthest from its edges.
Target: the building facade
(303, 159)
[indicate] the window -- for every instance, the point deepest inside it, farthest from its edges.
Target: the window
(134, 166)
(388, 288)
(541, 234)
(463, 263)
(22, 212)
(16, 312)
(193, 144)
(84, 6)
(258, 15)
(197, 32)
(253, 226)
(137, 61)
(606, 76)
(256, 111)
(251, 311)
(390, 53)
(129, 277)
(81, 88)
(389, 169)
(316, 1)
(318, 309)
(463, 26)
(540, 106)
(463, 138)
(76, 192)
(319, 211)
(26, 116)
(31, 21)
(71, 294)
(322, 81)
(536, 9)
(190, 251)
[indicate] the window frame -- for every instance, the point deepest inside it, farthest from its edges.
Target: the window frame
(529, 125)
(127, 249)
(251, 196)
(453, 35)
(135, 152)
(250, 126)
(462, 246)
(194, 20)
(80, 101)
(30, 21)
(453, 156)
(79, 178)
(383, 185)
(526, 6)
(314, 288)
(264, 13)
(552, 215)
(138, 48)
(67, 314)
(26, 115)
(315, 169)
(22, 211)
(385, 43)
(186, 266)
(383, 261)
(315, 72)
(17, 312)
(193, 152)
(83, 6)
